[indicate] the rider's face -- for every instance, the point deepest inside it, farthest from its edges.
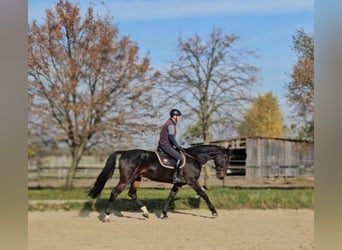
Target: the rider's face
(177, 118)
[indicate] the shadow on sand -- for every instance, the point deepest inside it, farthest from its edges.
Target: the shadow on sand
(154, 206)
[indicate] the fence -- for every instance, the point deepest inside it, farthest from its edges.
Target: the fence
(55, 176)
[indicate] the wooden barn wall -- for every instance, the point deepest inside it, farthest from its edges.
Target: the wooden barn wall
(272, 157)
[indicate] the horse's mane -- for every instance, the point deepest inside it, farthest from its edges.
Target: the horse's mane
(205, 148)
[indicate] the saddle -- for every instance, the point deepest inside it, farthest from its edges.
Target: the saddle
(167, 161)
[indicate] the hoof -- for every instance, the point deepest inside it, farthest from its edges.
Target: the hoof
(145, 212)
(164, 217)
(106, 218)
(215, 214)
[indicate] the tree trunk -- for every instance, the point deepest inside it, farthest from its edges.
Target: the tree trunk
(76, 154)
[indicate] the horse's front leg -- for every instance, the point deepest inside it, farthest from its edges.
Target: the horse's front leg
(171, 197)
(200, 191)
(133, 194)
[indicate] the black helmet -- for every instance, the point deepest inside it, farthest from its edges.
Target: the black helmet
(175, 112)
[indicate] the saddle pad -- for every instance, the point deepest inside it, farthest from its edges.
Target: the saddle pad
(167, 162)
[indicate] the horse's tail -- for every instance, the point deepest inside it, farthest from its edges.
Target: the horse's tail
(105, 174)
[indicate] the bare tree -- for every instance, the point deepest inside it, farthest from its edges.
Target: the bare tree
(212, 78)
(85, 78)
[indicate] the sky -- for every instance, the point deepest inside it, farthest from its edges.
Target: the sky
(264, 26)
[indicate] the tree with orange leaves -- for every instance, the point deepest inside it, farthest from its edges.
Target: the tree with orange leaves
(301, 88)
(86, 80)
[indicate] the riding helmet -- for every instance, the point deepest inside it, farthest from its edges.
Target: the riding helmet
(175, 112)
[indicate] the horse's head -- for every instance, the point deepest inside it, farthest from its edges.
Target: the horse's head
(220, 155)
(221, 163)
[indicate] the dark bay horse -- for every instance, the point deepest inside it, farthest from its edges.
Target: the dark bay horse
(137, 163)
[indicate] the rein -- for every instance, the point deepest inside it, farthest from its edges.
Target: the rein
(192, 157)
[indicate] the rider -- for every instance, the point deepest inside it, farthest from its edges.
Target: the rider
(168, 143)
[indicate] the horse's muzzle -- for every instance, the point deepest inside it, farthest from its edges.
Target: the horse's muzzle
(220, 174)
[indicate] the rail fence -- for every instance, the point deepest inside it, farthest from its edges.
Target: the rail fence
(55, 176)
(44, 172)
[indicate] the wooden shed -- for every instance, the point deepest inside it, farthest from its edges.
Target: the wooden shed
(270, 157)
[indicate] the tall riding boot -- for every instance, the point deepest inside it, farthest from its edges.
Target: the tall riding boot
(176, 178)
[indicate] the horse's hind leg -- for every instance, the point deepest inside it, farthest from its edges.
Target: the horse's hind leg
(113, 196)
(133, 194)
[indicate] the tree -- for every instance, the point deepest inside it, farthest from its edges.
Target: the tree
(263, 118)
(193, 133)
(86, 79)
(212, 79)
(301, 88)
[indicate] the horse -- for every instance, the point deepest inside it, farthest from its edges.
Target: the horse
(137, 163)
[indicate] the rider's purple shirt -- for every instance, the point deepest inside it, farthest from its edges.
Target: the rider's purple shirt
(165, 131)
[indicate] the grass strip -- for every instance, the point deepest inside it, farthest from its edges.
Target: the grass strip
(154, 199)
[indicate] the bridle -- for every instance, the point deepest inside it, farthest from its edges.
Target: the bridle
(222, 167)
(193, 157)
